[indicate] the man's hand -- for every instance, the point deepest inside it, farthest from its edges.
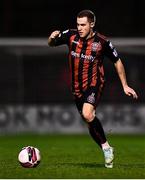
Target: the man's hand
(52, 37)
(54, 34)
(130, 92)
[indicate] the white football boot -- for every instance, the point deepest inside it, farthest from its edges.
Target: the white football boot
(109, 156)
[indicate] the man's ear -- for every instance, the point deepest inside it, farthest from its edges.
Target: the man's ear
(92, 24)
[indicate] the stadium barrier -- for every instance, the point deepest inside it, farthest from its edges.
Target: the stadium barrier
(65, 119)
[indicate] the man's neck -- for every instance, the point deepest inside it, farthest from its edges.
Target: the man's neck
(90, 35)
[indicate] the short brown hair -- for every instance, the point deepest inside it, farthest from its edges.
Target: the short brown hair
(87, 13)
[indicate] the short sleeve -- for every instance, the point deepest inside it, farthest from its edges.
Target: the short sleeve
(111, 52)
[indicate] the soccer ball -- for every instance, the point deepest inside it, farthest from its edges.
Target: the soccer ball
(29, 157)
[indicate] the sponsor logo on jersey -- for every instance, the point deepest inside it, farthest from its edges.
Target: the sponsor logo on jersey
(82, 56)
(74, 54)
(96, 46)
(91, 98)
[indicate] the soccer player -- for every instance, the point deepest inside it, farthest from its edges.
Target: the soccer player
(87, 49)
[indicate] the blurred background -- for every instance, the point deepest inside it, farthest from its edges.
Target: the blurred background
(35, 93)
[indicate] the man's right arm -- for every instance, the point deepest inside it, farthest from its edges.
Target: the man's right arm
(52, 37)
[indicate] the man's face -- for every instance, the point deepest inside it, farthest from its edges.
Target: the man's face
(84, 27)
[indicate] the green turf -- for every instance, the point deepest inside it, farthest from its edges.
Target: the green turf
(73, 156)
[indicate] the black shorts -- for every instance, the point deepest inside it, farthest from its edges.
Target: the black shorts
(91, 95)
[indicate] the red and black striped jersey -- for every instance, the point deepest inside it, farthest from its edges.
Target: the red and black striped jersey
(86, 58)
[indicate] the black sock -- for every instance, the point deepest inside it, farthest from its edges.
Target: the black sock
(97, 132)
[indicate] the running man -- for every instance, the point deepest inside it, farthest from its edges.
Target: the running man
(87, 49)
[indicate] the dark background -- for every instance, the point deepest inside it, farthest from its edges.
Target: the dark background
(39, 17)
(39, 75)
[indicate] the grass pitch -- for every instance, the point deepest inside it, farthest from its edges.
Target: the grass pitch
(73, 157)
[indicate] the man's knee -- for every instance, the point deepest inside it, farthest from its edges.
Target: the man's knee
(88, 116)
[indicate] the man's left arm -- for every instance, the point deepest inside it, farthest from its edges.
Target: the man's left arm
(122, 75)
